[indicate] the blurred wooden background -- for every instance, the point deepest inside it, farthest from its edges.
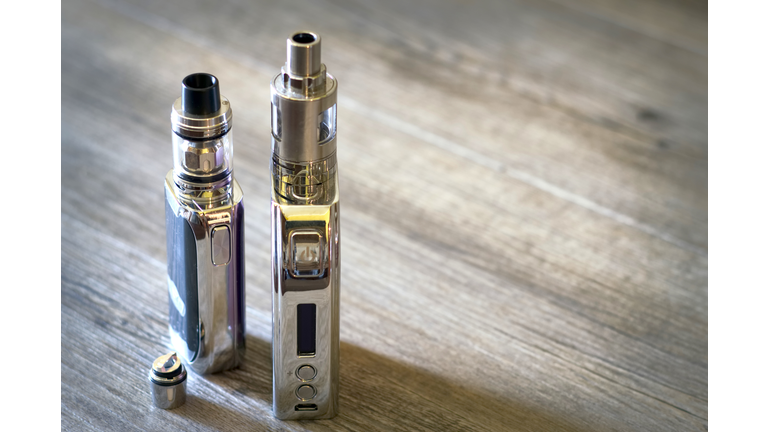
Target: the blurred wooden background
(524, 210)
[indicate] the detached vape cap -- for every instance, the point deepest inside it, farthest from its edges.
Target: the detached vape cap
(168, 382)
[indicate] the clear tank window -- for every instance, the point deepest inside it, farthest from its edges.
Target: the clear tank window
(326, 125)
(277, 123)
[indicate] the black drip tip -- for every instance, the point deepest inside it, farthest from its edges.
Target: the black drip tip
(200, 94)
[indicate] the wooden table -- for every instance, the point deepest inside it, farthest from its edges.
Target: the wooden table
(524, 210)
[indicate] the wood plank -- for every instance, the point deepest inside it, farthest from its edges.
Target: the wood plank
(682, 23)
(622, 169)
(499, 297)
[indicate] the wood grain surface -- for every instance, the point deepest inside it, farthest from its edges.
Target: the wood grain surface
(523, 210)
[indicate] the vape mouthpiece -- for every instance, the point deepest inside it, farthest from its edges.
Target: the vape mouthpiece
(200, 94)
(201, 113)
(303, 104)
(304, 54)
(201, 120)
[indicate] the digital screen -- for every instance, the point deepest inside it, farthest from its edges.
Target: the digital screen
(306, 319)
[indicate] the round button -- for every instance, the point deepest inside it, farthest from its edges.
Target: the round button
(305, 392)
(306, 372)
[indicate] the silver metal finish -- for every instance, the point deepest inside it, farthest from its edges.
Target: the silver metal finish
(305, 392)
(304, 54)
(303, 106)
(199, 126)
(305, 234)
(306, 373)
(168, 382)
(204, 221)
(220, 245)
(220, 289)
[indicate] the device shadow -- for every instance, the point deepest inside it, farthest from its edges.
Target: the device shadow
(376, 390)
(377, 393)
(253, 377)
(251, 382)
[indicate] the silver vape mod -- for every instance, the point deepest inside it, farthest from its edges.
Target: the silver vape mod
(204, 231)
(305, 236)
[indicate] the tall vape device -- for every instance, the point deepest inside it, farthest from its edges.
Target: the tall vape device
(204, 231)
(305, 236)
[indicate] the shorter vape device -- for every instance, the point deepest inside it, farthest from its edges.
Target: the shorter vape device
(305, 236)
(204, 231)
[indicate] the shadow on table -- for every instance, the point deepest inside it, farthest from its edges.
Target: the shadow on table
(390, 395)
(251, 380)
(376, 393)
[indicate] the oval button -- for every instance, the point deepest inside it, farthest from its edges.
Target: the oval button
(220, 245)
(306, 372)
(305, 392)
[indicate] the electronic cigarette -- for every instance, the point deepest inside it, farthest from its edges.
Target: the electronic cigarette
(204, 231)
(305, 236)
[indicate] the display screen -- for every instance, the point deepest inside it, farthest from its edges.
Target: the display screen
(305, 327)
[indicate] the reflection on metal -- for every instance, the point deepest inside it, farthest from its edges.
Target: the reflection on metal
(305, 232)
(204, 217)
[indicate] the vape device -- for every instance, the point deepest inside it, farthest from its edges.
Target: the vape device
(204, 231)
(305, 236)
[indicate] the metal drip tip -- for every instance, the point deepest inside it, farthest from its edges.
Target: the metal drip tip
(304, 54)
(168, 382)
